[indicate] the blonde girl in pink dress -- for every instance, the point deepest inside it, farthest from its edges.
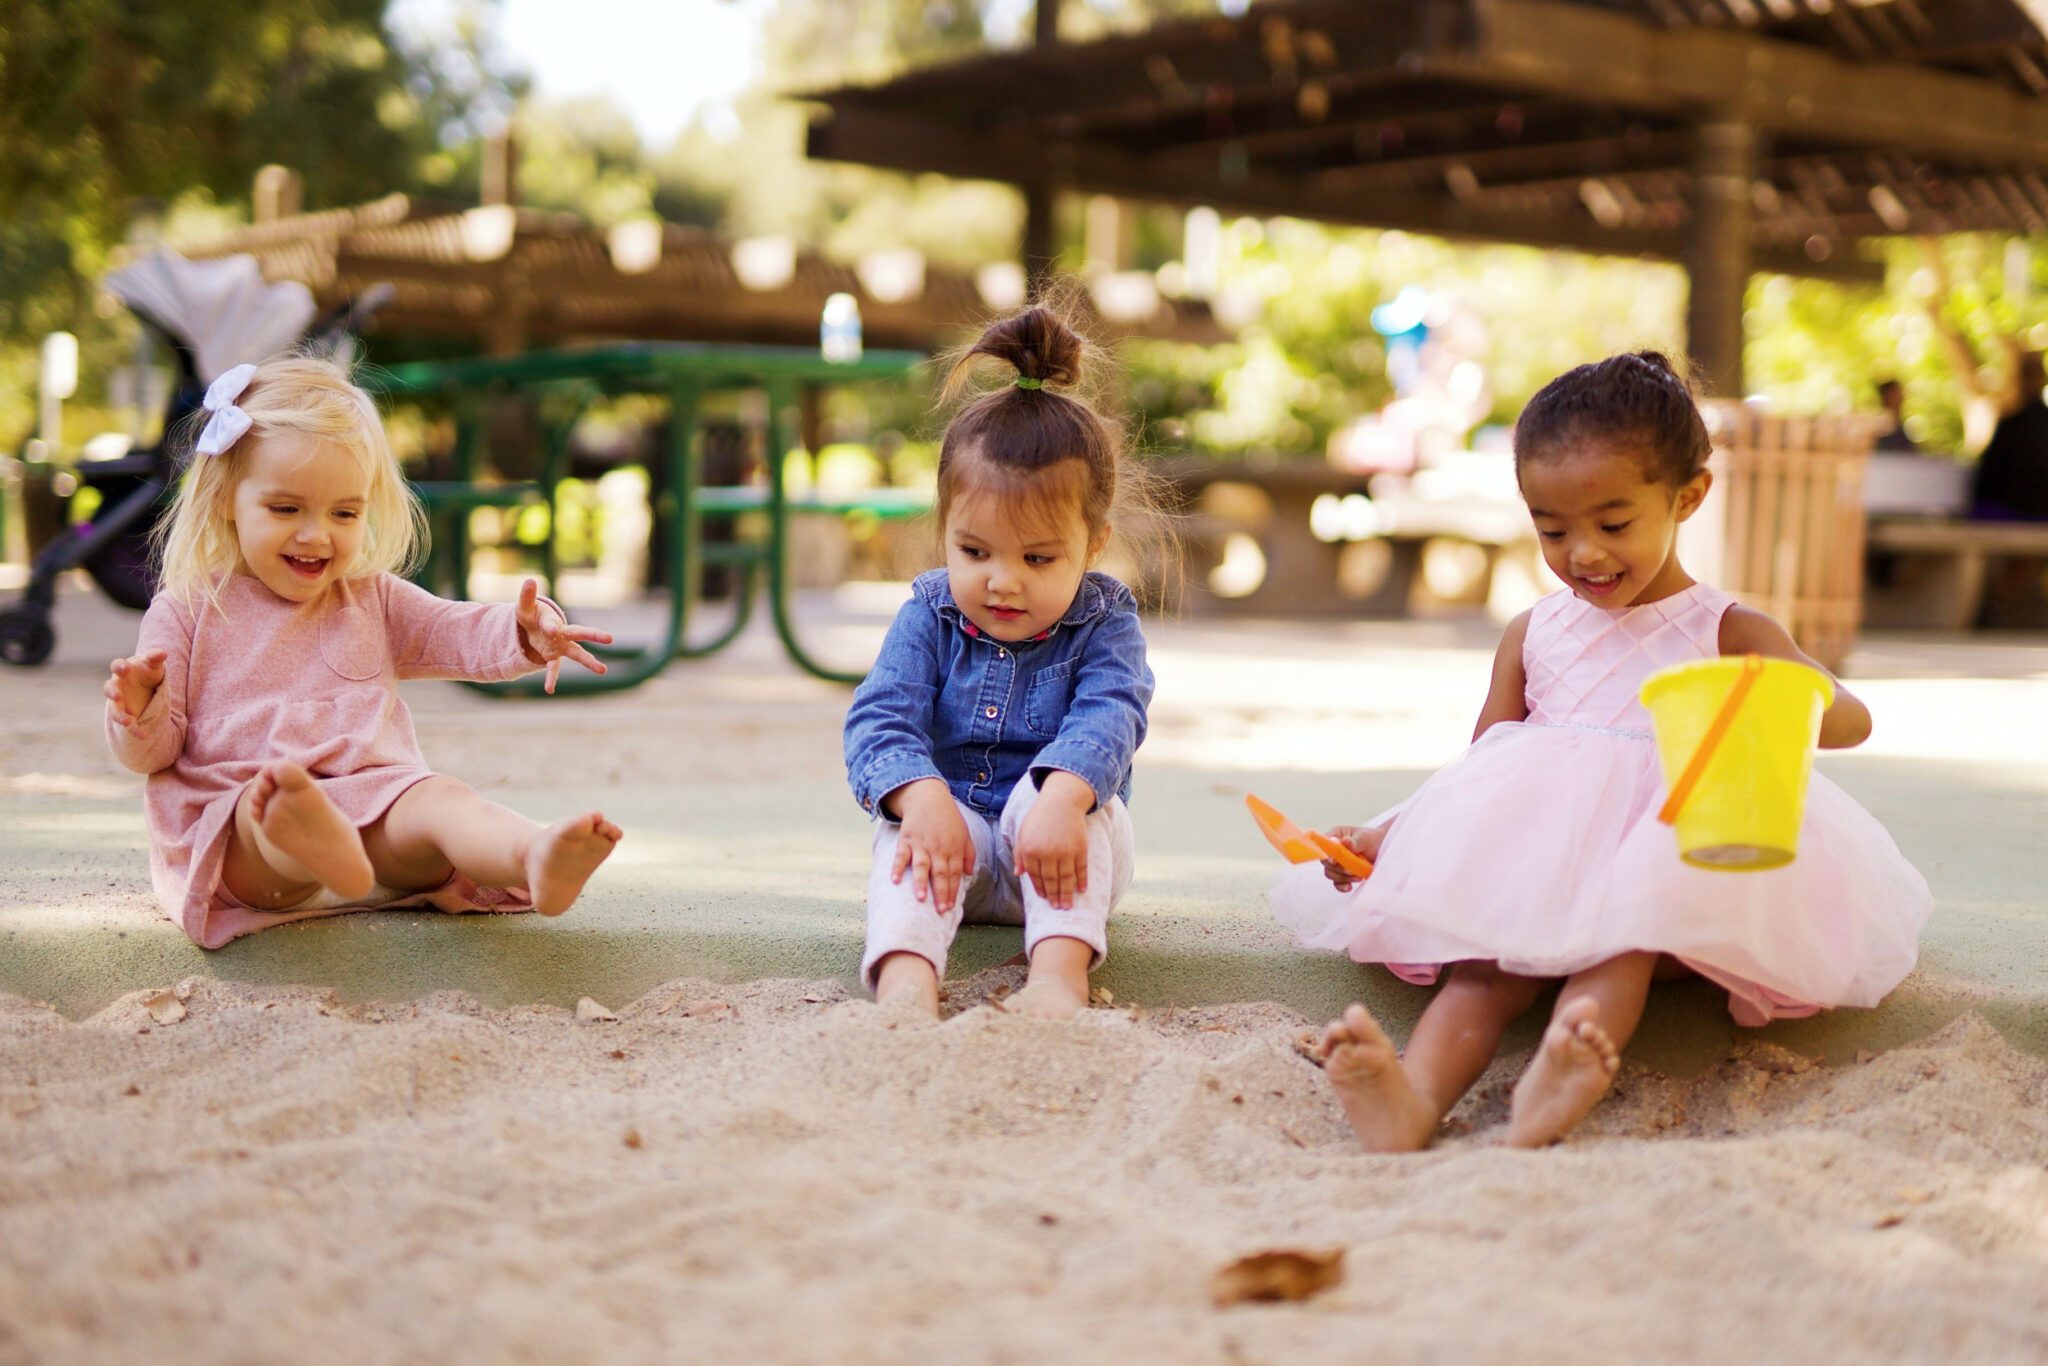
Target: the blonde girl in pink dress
(262, 702)
(1536, 856)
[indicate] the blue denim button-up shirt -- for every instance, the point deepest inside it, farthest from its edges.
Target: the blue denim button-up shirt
(944, 702)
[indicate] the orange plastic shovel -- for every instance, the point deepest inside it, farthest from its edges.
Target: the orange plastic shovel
(1297, 845)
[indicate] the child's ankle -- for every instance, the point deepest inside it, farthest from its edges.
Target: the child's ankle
(907, 977)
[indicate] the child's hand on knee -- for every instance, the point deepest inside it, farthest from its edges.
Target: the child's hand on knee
(549, 638)
(1362, 840)
(933, 844)
(1052, 843)
(131, 683)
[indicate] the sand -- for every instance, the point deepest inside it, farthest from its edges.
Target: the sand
(233, 1170)
(773, 1172)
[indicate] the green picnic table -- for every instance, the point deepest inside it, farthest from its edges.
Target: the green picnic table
(684, 372)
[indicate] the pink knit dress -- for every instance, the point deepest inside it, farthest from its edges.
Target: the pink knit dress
(258, 679)
(1539, 847)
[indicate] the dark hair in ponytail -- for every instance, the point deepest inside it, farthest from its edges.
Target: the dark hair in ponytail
(1639, 400)
(1017, 440)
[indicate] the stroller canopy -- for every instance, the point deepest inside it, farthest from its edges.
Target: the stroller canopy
(223, 311)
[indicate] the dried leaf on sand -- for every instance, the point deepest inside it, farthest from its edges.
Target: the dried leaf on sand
(1279, 1274)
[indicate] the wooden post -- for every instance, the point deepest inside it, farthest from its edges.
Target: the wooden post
(1717, 255)
(1040, 252)
(499, 177)
(506, 327)
(280, 193)
(1040, 199)
(1045, 24)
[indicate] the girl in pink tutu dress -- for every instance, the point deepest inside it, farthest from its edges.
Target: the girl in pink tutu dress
(1537, 855)
(262, 701)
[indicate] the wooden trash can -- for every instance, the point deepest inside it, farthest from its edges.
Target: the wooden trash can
(1783, 528)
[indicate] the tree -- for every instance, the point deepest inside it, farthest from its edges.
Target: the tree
(112, 110)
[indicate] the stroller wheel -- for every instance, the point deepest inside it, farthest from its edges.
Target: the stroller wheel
(26, 637)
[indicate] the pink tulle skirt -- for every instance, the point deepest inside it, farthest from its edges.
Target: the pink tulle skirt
(1539, 849)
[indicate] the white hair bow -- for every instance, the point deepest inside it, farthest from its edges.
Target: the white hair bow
(227, 423)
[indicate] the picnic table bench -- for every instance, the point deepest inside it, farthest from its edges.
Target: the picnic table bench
(1303, 568)
(1941, 567)
(571, 380)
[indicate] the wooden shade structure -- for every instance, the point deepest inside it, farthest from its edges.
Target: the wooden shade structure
(1729, 135)
(510, 279)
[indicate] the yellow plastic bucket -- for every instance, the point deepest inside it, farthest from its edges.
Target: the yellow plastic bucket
(1736, 736)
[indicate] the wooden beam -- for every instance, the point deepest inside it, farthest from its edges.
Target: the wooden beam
(1540, 158)
(1179, 66)
(1278, 119)
(1577, 51)
(1516, 47)
(911, 144)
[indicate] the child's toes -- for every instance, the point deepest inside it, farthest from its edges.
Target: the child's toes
(1600, 1043)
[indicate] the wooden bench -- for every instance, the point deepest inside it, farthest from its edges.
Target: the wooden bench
(1934, 570)
(1303, 569)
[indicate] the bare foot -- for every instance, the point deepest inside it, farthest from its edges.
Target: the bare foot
(1573, 1067)
(908, 982)
(298, 821)
(561, 858)
(1046, 997)
(1386, 1111)
(1057, 987)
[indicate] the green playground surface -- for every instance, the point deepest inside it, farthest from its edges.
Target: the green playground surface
(745, 858)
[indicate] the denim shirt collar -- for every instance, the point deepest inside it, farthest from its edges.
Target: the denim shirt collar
(935, 588)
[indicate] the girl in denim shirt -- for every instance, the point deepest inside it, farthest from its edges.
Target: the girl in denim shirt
(993, 739)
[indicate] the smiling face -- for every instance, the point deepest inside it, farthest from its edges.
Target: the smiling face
(299, 512)
(1608, 530)
(1014, 574)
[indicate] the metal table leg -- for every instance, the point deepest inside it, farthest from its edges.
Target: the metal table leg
(634, 667)
(780, 396)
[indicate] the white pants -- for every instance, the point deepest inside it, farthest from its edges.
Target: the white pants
(991, 893)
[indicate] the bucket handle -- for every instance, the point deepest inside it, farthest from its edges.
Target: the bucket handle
(1717, 730)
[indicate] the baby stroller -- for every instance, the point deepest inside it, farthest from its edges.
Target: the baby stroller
(212, 315)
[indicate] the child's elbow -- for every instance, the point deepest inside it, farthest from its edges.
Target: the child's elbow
(1845, 731)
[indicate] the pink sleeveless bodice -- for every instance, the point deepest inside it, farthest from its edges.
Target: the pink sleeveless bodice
(1585, 664)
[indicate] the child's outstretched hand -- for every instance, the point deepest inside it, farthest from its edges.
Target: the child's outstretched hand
(550, 638)
(933, 843)
(1362, 840)
(131, 683)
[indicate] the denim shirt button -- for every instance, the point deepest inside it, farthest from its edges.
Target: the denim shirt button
(982, 776)
(1002, 653)
(989, 712)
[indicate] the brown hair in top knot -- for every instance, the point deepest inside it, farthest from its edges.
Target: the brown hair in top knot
(1035, 448)
(1035, 342)
(1638, 400)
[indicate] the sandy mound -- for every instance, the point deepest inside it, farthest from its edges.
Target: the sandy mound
(775, 1173)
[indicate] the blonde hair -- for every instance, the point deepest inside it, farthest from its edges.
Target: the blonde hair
(293, 395)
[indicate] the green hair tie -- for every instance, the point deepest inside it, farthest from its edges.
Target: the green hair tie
(1026, 382)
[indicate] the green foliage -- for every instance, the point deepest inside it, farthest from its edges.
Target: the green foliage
(1820, 347)
(117, 112)
(583, 156)
(113, 111)
(1312, 361)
